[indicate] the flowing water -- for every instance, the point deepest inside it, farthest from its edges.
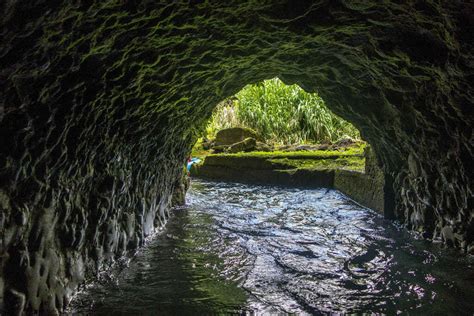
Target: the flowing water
(267, 250)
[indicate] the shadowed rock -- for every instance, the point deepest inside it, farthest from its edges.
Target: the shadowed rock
(247, 144)
(230, 136)
(100, 103)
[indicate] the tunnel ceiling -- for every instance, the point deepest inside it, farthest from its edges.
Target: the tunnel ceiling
(100, 102)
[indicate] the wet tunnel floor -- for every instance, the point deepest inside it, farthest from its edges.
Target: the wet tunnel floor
(240, 248)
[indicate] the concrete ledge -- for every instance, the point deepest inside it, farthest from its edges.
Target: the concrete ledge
(366, 188)
(362, 188)
(293, 178)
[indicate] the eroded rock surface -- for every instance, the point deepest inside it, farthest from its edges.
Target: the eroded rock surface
(247, 144)
(230, 136)
(100, 101)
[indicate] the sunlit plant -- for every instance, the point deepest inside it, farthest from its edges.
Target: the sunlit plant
(281, 114)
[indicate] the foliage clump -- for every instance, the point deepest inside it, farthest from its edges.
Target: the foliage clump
(281, 114)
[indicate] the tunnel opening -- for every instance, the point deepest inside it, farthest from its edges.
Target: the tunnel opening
(280, 114)
(278, 117)
(270, 133)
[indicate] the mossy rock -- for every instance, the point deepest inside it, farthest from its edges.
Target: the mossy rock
(233, 135)
(355, 163)
(291, 178)
(317, 154)
(247, 144)
(282, 161)
(361, 187)
(263, 147)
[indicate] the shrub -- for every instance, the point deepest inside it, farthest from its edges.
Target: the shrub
(281, 114)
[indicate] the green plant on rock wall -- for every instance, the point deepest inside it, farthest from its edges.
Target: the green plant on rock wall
(281, 114)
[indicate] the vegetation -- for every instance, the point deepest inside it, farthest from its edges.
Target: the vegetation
(355, 163)
(348, 158)
(316, 154)
(281, 114)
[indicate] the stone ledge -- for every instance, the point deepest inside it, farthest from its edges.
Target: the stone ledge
(364, 188)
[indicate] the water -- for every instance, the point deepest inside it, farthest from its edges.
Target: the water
(251, 249)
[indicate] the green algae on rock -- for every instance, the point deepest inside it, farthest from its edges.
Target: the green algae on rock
(354, 163)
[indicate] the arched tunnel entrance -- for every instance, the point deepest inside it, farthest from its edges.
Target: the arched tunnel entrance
(99, 104)
(275, 134)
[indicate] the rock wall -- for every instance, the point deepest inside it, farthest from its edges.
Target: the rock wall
(366, 188)
(100, 101)
(261, 170)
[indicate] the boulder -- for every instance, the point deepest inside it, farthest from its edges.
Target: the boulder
(303, 147)
(219, 149)
(344, 142)
(233, 135)
(263, 147)
(247, 144)
(206, 144)
(307, 147)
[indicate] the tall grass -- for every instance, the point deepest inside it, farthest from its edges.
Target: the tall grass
(224, 116)
(281, 114)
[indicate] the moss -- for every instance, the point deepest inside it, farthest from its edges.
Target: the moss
(199, 151)
(347, 159)
(317, 154)
(353, 151)
(355, 163)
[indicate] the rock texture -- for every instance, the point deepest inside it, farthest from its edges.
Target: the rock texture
(366, 188)
(230, 136)
(247, 144)
(100, 101)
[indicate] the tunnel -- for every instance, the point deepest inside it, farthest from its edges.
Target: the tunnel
(100, 103)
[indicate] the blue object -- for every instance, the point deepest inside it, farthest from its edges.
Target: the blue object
(191, 162)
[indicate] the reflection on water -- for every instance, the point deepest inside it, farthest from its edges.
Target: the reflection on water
(242, 248)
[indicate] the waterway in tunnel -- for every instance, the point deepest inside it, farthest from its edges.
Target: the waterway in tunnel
(238, 248)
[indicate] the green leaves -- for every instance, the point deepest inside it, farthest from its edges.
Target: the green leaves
(281, 114)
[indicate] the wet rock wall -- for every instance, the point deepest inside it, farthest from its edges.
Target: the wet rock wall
(366, 188)
(101, 100)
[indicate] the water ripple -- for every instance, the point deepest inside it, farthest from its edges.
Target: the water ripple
(241, 248)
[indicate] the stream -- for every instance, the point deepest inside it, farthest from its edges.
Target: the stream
(238, 248)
